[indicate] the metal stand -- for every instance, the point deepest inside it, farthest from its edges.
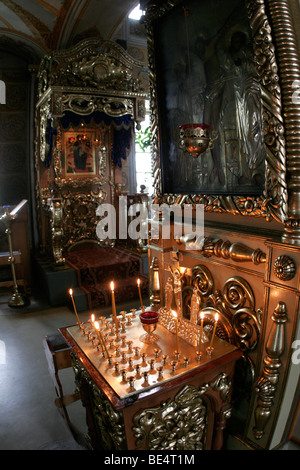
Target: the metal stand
(17, 299)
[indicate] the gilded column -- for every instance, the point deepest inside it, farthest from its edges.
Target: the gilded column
(56, 209)
(155, 283)
(266, 385)
(289, 64)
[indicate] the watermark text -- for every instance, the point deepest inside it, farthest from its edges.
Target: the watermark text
(296, 353)
(2, 92)
(138, 221)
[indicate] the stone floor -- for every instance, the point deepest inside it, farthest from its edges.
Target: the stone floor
(29, 419)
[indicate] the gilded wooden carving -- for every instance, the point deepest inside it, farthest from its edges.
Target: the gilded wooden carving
(272, 203)
(239, 318)
(56, 224)
(91, 63)
(181, 423)
(266, 385)
(222, 249)
(109, 421)
(275, 55)
(43, 123)
(82, 91)
(287, 50)
(284, 268)
(155, 282)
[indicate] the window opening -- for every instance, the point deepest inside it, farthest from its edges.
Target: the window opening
(136, 13)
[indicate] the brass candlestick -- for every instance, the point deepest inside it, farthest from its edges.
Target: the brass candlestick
(17, 299)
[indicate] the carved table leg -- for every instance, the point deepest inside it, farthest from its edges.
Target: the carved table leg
(220, 425)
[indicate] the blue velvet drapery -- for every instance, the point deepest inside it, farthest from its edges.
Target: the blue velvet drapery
(122, 129)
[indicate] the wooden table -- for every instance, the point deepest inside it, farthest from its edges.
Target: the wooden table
(184, 406)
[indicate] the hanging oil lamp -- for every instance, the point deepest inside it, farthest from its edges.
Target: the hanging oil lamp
(193, 138)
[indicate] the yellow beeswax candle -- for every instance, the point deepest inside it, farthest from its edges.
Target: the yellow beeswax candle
(176, 327)
(140, 294)
(101, 340)
(201, 330)
(74, 306)
(214, 332)
(112, 286)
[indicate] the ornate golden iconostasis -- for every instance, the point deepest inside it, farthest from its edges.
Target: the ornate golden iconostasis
(226, 135)
(89, 98)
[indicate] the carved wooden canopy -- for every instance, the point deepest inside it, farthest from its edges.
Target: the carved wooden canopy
(93, 76)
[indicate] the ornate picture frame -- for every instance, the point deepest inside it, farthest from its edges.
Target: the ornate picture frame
(79, 154)
(271, 203)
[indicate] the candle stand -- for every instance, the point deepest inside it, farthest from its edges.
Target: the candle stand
(128, 385)
(17, 299)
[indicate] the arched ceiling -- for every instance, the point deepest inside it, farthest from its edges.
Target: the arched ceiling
(45, 25)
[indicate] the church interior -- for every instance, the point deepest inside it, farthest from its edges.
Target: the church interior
(149, 225)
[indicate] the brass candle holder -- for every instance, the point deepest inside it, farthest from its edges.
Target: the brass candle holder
(17, 299)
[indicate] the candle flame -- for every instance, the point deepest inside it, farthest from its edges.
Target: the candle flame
(174, 313)
(93, 317)
(216, 317)
(112, 286)
(97, 325)
(71, 292)
(202, 315)
(138, 282)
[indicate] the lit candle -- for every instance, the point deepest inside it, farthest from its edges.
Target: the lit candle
(201, 330)
(215, 327)
(140, 294)
(112, 286)
(176, 326)
(101, 340)
(71, 295)
(92, 320)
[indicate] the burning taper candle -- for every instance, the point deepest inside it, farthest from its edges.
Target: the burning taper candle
(140, 294)
(176, 326)
(74, 306)
(201, 330)
(112, 286)
(214, 332)
(100, 337)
